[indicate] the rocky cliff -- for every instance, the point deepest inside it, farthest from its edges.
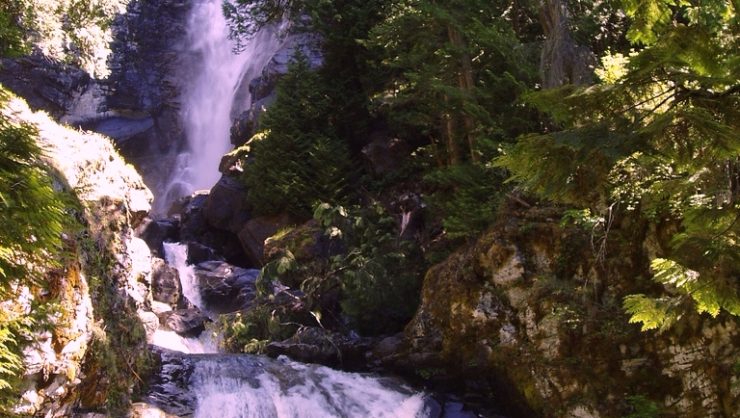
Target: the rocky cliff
(88, 358)
(531, 306)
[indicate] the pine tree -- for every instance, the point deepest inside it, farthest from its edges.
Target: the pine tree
(660, 136)
(298, 159)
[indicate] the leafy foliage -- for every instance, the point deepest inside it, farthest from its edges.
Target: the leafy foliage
(379, 278)
(31, 221)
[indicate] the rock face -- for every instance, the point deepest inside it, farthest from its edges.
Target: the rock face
(262, 89)
(114, 201)
(530, 305)
(143, 92)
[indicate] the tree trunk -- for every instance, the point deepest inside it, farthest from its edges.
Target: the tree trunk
(562, 60)
(466, 84)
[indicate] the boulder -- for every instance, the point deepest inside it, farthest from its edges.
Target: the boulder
(155, 232)
(186, 322)
(198, 253)
(225, 288)
(226, 206)
(254, 233)
(166, 286)
(195, 228)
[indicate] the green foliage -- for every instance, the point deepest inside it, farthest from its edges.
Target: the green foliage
(30, 211)
(31, 221)
(378, 274)
(12, 36)
(466, 197)
(642, 407)
(456, 71)
(659, 139)
(249, 331)
(299, 160)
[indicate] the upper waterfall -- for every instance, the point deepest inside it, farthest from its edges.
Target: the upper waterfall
(217, 73)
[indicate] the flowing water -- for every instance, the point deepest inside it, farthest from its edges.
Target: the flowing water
(198, 381)
(195, 380)
(219, 75)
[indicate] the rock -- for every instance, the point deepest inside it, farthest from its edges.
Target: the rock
(198, 253)
(156, 232)
(256, 231)
(150, 321)
(44, 83)
(317, 345)
(194, 228)
(226, 206)
(231, 163)
(186, 322)
(530, 307)
(225, 288)
(144, 410)
(166, 286)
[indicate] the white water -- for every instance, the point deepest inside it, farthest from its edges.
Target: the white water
(208, 98)
(234, 388)
(176, 255)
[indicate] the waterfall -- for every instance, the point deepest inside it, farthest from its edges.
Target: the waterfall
(176, 255)
(208, 98)
(247, 386)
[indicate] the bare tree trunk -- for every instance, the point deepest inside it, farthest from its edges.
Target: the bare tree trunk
(562, 60)
(466, 83)
(453, 146)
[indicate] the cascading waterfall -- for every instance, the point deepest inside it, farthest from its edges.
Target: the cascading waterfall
(176, 255)
(208, 106)
(195, 380)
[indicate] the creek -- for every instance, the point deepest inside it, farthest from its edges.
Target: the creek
(195, 379)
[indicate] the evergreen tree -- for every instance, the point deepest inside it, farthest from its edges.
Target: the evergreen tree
(660, 138)
(298, 159)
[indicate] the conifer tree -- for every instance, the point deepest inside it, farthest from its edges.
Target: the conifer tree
(298, 159)
(660, 137)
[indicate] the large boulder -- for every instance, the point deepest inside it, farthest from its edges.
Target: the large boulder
(254, 233)
(186, 322)
(225, 288)
(530, 306)
(210, 241)
(155, 232)
(226, 206)
(320, 346)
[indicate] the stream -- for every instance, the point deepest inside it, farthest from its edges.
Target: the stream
(196, 380)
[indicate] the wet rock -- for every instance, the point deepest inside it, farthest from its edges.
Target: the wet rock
(320, 346)
(256, 231)
(226, 206)
(225, 288)
(186, 322)
(156, 232)
(194, 228)
(198, 253)
(166, 286)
